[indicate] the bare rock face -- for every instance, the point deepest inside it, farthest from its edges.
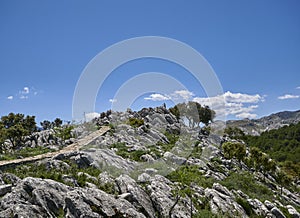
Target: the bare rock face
(222, 200)
(259, 208)
(138, 197)
(5, 189)
(277, 213)
(106, 158)
(163, 200)
(34, 197)
(293, 211)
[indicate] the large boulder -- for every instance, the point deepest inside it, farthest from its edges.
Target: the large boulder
(259, 208)
(294, 213)
(222, 200)
(35, 197)
(163, 200)
(138, 197)
(277, 213)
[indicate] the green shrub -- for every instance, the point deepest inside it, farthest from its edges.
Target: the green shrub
(247, 184)
(108, 188)
(234, 149)
(134, 122)
(245, 205)
(285, 212)
(204, 213)
(172, 138)
(281, 144)
(189, 174)
(41, 171)
(64, 132)
(122, 150)
(207, 214)
(25, 152)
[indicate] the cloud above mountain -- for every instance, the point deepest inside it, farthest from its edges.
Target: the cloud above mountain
(288, 96)
(158, 97)
(240, 105)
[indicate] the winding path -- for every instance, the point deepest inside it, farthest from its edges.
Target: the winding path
(72, 147)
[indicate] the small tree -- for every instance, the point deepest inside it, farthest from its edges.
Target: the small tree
(175, 111)
(256, 158)
(15, 126)
(234, 149)
(46, 124)
(282, 179)
(57, 122)
(194, 113)
(64, 132)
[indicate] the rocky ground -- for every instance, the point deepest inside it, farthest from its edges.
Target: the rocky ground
(148, 165)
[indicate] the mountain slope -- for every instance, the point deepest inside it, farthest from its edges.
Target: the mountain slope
(149, 164)
(273, 121)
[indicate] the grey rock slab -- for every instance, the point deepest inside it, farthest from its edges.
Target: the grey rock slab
(140, 198)
(277, 213)
(293, 211)
(225, 203)
(107, 159)
(174, 158)
(258, 207)
(161, 195)
(35, 197)
(269, 204)
(5, 189)
(222, 189)
(143, 178)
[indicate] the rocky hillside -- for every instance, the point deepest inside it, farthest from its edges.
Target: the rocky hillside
(148, 165)
(273, 121)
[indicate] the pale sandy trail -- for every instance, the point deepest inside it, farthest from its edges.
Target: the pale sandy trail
(73, 147)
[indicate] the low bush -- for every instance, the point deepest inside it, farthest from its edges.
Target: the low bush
(122, 150)
(134, 122)
(245, 205)
(41, 171)
(64, 132)
(247, 184)
(25, 152)
(190, 174)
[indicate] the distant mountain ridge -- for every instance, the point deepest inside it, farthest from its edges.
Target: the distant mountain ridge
(273, 121)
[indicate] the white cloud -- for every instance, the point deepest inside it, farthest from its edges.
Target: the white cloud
(23, 97)
(239, 97)
(25, 90)
(298, 87)
(288, 96)
(10, 97)
(237, 104)
(246, 115)
(157, 97)
(112, 100)
(177, 96)
(90, 116)
(182, 94)
(23, 94)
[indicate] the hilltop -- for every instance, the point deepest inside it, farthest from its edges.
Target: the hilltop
(148, 163)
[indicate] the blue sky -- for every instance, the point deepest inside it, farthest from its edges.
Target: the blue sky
(253, 47)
